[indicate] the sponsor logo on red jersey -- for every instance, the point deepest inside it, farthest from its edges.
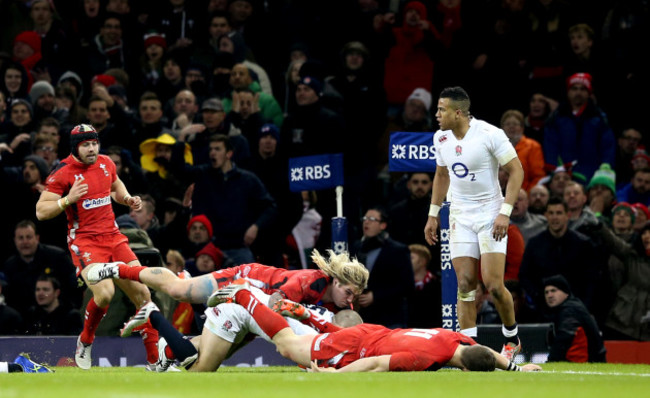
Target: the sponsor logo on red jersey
(99, 202)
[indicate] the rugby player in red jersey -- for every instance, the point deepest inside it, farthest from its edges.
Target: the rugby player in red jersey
(334, 285)
(367, 347)
(82, 186)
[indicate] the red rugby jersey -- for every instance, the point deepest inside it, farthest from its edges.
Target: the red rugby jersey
(93, 213)
(410, 349)
(302, 286)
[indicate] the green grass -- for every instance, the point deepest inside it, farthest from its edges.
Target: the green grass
(557, 380)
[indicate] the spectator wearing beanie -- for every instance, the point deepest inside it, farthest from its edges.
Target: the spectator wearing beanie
(642, 216)
(27, 51)
(151, 61)
(209, 259)
(601, 191)
(199, 233)
(577, 337)
(578, 130)
(42, 97)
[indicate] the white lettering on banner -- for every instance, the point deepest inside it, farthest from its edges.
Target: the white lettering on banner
(99, 202)
(447, 310)
(447, 324)
(311, 173)
(445, 257)
(413, 152)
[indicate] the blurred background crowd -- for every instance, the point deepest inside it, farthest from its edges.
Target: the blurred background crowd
(166, 83)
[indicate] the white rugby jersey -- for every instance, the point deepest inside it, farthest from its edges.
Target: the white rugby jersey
(473, 162)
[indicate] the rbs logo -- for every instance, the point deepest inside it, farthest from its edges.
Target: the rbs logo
(413, 152)
(309, 173)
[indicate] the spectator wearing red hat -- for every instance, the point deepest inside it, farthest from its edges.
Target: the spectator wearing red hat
(199, 234)
(578, 130)
(640, 159)
(642, 216)
(151, 61)
(209, 259)
(27, 51)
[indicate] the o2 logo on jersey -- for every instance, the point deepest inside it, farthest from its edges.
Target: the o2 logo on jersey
(461, 171)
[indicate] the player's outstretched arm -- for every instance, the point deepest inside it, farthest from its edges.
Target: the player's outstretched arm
(504, 364)
(370, 364)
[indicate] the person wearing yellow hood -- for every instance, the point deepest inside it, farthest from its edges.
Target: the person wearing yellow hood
(156, 155)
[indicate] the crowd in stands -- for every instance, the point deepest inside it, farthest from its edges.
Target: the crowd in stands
(200, 104)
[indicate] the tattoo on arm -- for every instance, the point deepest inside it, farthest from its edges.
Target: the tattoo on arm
(156, 271)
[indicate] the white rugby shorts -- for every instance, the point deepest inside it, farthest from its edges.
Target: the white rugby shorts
(470, 230)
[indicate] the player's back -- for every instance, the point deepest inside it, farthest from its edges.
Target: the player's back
(427, 348)
(306, 286)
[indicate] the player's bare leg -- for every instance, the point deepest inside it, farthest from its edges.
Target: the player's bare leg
(492, 270)
(192, 290)
(212, 352)
(466, 269)
(95, 310)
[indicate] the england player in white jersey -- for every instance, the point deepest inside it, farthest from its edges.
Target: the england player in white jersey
(468, 155)
(228, 327)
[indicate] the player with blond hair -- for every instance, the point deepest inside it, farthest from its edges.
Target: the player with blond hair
(335, 284)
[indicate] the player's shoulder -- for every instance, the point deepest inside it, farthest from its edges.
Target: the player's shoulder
(441, 136)
(484, 127)
(61, 168)
(104, 159)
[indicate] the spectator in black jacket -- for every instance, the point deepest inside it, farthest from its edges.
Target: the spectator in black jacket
(234, 200)
(33, 259)
(577, 337)
(49, 316)
(559, 250)
(391, 279)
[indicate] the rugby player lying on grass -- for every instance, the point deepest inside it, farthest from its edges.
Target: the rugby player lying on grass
(338, 281)
(227, 328)
(367, 347)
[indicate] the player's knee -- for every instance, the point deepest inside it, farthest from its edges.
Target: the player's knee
(466, 296)
(498, 292)
(103, 297)
(466, 284)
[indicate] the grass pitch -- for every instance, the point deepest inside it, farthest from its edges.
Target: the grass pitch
(557, 380)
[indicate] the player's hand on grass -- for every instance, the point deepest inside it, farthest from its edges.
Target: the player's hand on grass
(317, 369)
(531, 367)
